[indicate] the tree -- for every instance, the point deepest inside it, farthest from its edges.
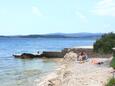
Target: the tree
(105, 43)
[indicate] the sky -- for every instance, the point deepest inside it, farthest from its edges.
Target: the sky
(22, 17)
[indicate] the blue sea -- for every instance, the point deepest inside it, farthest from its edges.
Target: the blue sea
(23, 72)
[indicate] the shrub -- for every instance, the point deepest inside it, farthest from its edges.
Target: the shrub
(105, 43)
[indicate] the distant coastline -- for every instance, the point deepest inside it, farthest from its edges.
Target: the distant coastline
(58, 35)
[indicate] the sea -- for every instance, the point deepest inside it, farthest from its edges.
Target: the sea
(23, 72)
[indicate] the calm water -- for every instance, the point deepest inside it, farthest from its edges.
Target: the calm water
(18, 72)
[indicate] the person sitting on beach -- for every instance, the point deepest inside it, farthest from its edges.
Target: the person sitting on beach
(82, 56)
(96, 61)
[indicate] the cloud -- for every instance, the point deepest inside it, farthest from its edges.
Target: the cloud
(105, 8)
(36, 11)
(82, 17)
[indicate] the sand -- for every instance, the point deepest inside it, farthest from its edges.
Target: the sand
(76, 74)
(73, 73)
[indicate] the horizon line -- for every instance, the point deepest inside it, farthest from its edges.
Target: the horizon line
(54, 33)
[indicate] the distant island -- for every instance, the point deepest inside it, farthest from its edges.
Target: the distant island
(59, 35)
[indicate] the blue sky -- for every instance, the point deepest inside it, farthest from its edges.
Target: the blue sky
(51, 16)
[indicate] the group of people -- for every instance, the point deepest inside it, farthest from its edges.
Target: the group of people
(82, 56)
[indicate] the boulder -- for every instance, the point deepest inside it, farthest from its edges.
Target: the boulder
(70, 56)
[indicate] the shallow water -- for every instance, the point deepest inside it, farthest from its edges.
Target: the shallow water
(20, 72)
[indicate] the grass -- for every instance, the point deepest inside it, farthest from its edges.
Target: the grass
(111, 82)
(112, 64)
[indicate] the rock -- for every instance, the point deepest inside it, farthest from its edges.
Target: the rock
(47, 54)
(26, 55)
(71, 56)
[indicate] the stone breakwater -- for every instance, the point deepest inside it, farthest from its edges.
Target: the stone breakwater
(45, 54)
(72, 73)
(62, 53)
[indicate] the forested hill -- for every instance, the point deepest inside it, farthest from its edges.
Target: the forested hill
(60, 35)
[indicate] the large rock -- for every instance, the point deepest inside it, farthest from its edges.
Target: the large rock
(70, 56)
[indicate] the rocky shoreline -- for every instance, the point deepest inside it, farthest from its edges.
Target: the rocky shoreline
(73, 73)
(62, 53)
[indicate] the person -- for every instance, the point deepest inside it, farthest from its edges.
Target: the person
(96, 61)
(82, 56)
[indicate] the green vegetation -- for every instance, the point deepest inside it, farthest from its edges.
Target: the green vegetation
(105, 43)
(112, 64)
(111, 82)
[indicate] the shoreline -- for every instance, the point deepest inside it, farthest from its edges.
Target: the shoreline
(87, 74)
